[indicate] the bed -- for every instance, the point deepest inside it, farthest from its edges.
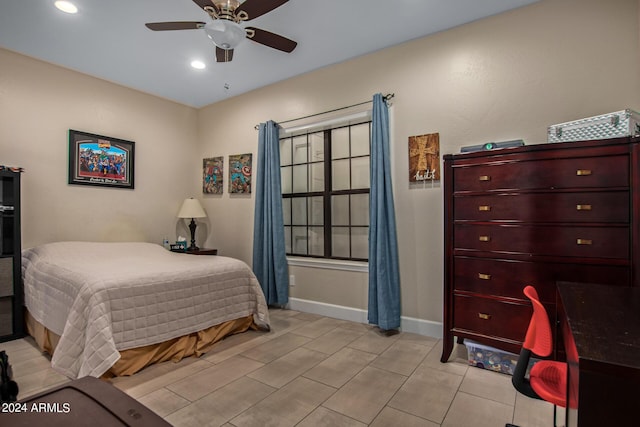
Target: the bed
(105, 309)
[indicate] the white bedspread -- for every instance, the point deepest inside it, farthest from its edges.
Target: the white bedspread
(105, 297)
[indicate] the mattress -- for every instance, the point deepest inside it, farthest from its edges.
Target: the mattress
(102, 298)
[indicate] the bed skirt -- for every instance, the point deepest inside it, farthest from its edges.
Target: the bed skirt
(135, 359)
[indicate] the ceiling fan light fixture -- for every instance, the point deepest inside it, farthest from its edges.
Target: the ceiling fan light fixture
(225, 34)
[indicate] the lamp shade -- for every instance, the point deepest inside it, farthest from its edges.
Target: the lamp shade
(224, 33)
(191, 208)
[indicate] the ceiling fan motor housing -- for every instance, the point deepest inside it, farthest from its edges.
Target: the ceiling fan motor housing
(225, 9)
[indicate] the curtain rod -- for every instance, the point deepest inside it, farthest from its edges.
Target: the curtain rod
(386, 98)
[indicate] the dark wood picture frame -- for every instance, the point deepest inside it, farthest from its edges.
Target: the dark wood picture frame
(100, 160)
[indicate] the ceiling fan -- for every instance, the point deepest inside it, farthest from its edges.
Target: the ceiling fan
(225, 30)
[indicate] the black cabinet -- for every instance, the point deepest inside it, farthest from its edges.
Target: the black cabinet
(11, 293)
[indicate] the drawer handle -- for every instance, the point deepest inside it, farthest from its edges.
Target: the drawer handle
(583, 172)
(484, 276)
(583, 207)
(584, 241)
(485, 178)
(484, 208)
(484, 238)
(484, 316)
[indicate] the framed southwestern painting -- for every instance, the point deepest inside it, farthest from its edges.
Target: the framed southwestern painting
(240, 173)
(100, 160)
(212, 175)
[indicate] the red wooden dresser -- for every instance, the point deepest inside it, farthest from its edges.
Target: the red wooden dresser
(534, 215)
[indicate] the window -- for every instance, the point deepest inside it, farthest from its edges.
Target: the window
(325, 192)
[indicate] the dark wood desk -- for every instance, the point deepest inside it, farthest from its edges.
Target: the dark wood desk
(600, 327)
(87, 401)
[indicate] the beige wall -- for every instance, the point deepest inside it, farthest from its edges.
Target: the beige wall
(505, 77)
(501, 78)
(40, 102)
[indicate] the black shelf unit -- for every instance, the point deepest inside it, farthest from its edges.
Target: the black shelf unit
(11, 291)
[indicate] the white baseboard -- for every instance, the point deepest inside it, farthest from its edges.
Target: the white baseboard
(407, 324)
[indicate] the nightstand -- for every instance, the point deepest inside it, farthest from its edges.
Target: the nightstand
(203, 251)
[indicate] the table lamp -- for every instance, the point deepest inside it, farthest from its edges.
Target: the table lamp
(191, 208)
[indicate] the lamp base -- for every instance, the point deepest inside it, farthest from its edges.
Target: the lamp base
(192, 227)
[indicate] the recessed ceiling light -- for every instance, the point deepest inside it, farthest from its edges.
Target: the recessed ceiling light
(66, 6)
(198, 65)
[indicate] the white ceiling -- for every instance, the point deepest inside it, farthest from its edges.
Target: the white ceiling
(108, 39)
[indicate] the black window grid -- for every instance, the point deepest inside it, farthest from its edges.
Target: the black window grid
(326, 195)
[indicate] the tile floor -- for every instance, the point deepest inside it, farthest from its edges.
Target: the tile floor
(313, 371)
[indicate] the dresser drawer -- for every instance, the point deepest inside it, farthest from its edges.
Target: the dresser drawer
(587, 172)
(507, 278)
(610, 207)
(590, 242)
(491, 317)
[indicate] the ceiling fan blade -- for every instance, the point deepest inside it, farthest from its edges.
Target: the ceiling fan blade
(223, 55)
(255, 8)
(206, 3)
(270, 39)
(181, 25)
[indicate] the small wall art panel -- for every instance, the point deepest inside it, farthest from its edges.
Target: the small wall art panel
(212, 175)
(424, 158)
(240, 173)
